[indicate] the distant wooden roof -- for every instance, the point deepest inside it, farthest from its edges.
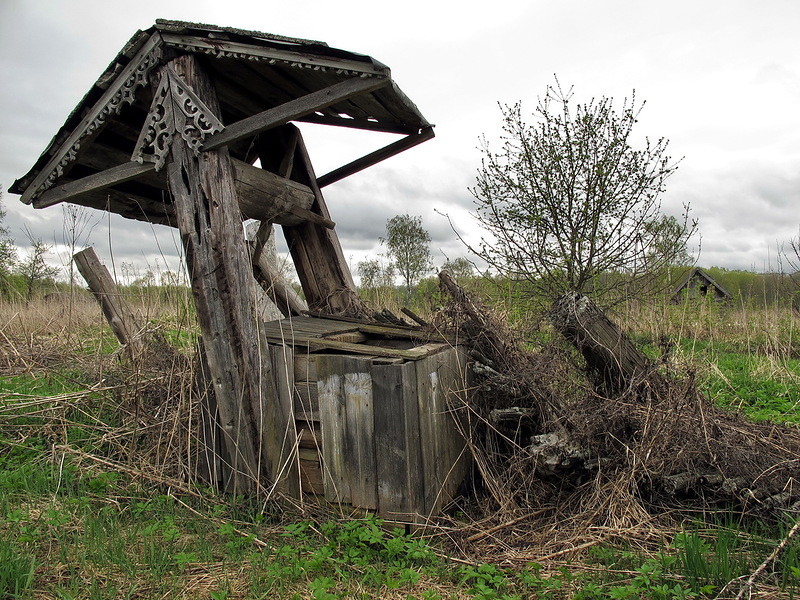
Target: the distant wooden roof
(262, 80)
(698, 273)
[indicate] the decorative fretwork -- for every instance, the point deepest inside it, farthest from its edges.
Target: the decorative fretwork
(121, 92)
(175, 109)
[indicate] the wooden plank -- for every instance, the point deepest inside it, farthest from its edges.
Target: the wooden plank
(306, 397)
(332, 416)
(310, 436)
(375, 157)
(285, 462)
(223, 288)
(92, 183)
(280, 115)
(305, 367)
(116, 310)
(360, 431)
(397, 444)
(453, 382)
(428, 393)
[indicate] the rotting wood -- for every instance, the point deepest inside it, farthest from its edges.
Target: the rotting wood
(222, 284)
(608, 352)
(117, 312)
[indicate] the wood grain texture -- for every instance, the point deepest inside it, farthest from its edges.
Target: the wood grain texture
(116, 310)
(398, 453)
(285, 462)
(209, 220)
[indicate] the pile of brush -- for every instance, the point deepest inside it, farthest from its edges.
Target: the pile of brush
(618, 438)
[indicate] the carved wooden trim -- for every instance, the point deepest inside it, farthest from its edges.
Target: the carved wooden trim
(290, 58)
(121, 92)
(176, 109)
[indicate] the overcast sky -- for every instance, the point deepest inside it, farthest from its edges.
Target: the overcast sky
(721, 80)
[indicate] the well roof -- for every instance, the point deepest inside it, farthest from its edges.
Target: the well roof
(253, 72)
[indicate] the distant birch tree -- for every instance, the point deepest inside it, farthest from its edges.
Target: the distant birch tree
(408, 244)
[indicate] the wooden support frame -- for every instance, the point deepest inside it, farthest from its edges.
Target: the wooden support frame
(294, 109)
(375, 157)
(93, 183)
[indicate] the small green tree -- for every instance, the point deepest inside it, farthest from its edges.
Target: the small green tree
(568, 199)
(34, 269)
(460, 268)
(408, 244)
(8, 252)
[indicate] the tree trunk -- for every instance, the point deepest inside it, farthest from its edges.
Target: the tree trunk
(608, 352)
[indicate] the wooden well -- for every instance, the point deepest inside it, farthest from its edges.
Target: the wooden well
(375, 414)
(170, 133)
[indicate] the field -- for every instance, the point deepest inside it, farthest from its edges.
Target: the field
(95, 500)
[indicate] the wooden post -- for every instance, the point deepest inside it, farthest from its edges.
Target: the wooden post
(116, 310)
(316, 251)
(207, 214)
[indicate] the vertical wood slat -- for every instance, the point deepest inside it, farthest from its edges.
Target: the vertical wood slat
(360, 431)
(285, 463)
(333, 420)
(453, 383)
(398, 452)
(429, 401)
(348, 445)
(207, 214)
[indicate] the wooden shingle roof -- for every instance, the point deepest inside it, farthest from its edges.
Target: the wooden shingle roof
(254, 74)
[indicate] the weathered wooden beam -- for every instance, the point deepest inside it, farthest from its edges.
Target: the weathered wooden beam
(375, 157)
(293, 109)
(317, 254)
(265, 196)
(93, 183)
(209, 220)
(117, 312)
(282, 294)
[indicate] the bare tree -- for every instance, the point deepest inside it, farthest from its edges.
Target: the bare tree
(570, 203)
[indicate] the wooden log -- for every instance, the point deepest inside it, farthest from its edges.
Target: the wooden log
(265, 196)
(280, 292)
(116, 310)
(609, 353)
(208, 217)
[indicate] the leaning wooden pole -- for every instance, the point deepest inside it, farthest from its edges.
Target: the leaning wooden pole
(117, 312)
(207, 214)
